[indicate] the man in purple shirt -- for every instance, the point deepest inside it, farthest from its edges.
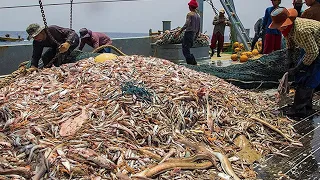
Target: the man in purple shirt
(94, 39)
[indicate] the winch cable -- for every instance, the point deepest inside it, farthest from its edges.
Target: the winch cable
(50, 35)
(74, 3)
(215, 10)
(71, 2)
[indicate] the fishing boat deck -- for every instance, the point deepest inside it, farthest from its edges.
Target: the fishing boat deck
(224, 60)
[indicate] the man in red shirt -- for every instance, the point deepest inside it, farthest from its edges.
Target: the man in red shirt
(94, 39)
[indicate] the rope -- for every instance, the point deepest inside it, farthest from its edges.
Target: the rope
(7, 79)
(109, 46)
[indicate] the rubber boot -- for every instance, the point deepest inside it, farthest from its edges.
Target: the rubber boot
(218, 52)
(212, 53)
(309, 106)
(302, 100)
(191, 60)
(194, 62)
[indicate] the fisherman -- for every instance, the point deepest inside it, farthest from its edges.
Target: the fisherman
(272, 41)
(192, 27)
(94, 39)
(67, 40)
(258, 33)
(297, 4)
(220, 22)
(313, 12)
(303, 33)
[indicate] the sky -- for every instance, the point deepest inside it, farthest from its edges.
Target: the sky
(134, 17)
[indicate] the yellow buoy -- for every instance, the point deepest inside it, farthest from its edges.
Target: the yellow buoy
(105, 57)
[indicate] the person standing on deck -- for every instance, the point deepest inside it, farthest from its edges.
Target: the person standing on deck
(272, 40)
(94, 39)
(68, 39)
(258, 33)
(220, 22)
(297, 4)
(313, 12)
(303, 33)
(192, 27)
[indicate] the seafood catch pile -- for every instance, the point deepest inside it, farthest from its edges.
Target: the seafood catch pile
(134, 118)
(168, 37)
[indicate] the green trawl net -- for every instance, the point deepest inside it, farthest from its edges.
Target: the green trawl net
(264, 72)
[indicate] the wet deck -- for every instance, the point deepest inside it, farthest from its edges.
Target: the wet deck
(301, 162)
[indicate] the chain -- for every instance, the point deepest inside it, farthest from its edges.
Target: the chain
(57, 56)
(71, 1)
(45, 23)
(43, 15)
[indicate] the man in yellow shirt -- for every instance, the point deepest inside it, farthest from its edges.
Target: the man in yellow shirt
(303, 33)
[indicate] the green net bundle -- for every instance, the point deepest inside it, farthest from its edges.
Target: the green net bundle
(264, 72)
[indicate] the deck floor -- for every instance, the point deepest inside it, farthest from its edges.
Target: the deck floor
(301, 162)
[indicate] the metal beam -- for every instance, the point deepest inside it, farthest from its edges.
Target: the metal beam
(200, 8)
(236, 24)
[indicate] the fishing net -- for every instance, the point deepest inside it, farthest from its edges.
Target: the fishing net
(263, 72)
(168, 37)
(138, 91)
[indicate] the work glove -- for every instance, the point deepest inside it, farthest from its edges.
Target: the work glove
(64, 47)
(293, 71)
(31, 69)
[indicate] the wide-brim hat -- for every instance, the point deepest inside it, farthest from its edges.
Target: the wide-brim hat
(282, 17)
(33, 30)
(84, 33)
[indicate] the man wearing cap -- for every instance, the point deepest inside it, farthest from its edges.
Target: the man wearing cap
(313, 12)
(220, 22)
(64, 42)
(272, 40)
(303, 33)
(94, 39)
(192, 27)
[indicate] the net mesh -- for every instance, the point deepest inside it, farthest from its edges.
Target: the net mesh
(263, 72)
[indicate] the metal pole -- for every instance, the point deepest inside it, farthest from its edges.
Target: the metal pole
(237, 17)
(201, 14)
(229, 10)
(232, 5)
